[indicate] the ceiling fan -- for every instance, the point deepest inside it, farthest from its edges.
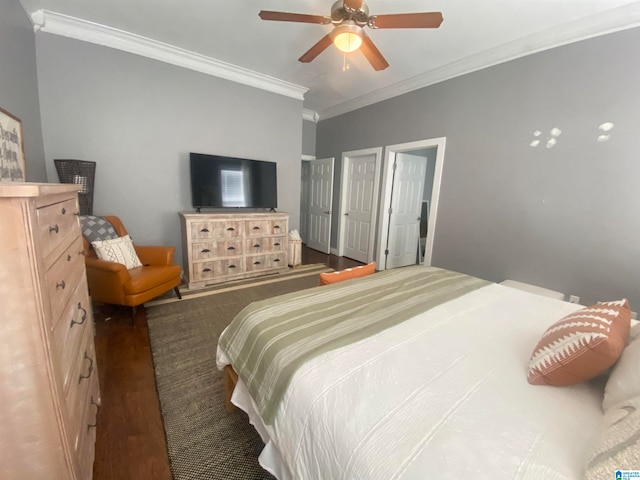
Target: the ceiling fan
(349, 18)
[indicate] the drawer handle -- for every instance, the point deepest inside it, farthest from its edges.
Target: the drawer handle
(90, 368)
(205, 230)
(276, 227)
(82, 320)
(205, 250)
(231, 248)
(256, 263)
(93, 425)
(77, 214)
(231, 229)
(64, 210)
(206, 269)
(61, 285)
(257, 245)
(54, 229)
(277, 244)
(232, 266)
(68, 258)
(256, 228)
(81, 252)
(276, 260)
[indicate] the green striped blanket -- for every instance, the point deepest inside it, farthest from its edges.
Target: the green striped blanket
(270, 339)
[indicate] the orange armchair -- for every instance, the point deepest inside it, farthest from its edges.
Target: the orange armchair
(112, 283)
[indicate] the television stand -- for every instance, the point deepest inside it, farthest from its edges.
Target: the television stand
(219, 247)
(272, 210)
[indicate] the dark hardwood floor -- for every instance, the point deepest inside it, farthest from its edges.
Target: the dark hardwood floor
(130, 440)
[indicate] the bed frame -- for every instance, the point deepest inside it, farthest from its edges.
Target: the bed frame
(230, 380)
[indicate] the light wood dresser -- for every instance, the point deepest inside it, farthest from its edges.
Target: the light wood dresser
(49, 394)
(218, 247)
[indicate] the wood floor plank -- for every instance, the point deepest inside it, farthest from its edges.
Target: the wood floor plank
(130, 439)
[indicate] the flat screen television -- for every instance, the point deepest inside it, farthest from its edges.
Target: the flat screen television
(228, 182)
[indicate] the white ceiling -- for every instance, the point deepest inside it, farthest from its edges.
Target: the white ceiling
(474, 34)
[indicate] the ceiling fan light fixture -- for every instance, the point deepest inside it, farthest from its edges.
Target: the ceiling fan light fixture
(347, 37)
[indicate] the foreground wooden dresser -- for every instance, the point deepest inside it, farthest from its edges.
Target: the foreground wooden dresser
(49, 391)
(218, 247)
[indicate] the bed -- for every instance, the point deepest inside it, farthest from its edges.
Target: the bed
(412, 373)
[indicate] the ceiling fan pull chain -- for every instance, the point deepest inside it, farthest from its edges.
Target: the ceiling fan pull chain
(345, 64)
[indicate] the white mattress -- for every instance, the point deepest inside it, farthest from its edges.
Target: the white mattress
(443, 395)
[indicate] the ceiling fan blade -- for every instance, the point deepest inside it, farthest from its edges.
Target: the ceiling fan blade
(371, 52)
(293, 17)
(353, 4)
(406, 20)
(316, 50)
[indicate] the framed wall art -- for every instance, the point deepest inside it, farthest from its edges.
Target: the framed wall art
(12, 163)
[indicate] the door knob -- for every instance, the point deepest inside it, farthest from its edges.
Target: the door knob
(346, 214)
(328, 212)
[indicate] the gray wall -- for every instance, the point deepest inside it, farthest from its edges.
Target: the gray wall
(567, 218)
(308, 137)
(139, 119)
(19, 83)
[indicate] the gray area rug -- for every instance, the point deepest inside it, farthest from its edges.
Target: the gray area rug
(203, 441)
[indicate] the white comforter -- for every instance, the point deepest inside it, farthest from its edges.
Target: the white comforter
(441, 396)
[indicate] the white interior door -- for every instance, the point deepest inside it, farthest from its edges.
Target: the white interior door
(320, 201)
(387, 182)
(406, 206)
(359, 206)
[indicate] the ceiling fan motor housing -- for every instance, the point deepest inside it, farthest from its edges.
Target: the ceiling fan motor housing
(340, 13)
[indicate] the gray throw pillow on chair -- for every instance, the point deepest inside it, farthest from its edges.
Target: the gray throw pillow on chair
(97, 228)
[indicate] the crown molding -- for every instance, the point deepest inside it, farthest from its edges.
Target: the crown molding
(58, 24)
(310, 115)
(620, 18)
(617, 19)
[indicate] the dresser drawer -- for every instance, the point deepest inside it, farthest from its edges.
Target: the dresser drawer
(216, 249)
(218, 229)
(208, 270)
(265, 227)
(260, 262)
(56, 223)
(278, 227)
(85, 436)
(63, 277)
(257, 228)
(83, 372)
(69, 332)
(264, 245)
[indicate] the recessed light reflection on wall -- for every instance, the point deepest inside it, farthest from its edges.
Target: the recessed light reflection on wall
(536, 141)
(604, 135)
(605, 127)
(552, 138)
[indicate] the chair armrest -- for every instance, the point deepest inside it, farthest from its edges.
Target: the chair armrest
(106, 280)
(155, 255)
(107, 268)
